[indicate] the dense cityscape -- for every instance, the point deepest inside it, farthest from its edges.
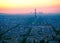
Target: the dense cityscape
(35, 28)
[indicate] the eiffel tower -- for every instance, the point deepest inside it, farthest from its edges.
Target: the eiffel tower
(35, 13)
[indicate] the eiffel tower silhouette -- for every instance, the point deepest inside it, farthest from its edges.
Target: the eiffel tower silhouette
(35, 13)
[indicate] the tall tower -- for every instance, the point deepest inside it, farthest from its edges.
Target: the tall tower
(35, 13)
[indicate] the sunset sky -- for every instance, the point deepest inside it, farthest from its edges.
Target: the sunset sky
(28, 6)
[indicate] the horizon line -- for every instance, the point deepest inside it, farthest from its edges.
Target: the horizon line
(27, 13)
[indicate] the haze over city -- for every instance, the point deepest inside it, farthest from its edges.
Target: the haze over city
(28, 6)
